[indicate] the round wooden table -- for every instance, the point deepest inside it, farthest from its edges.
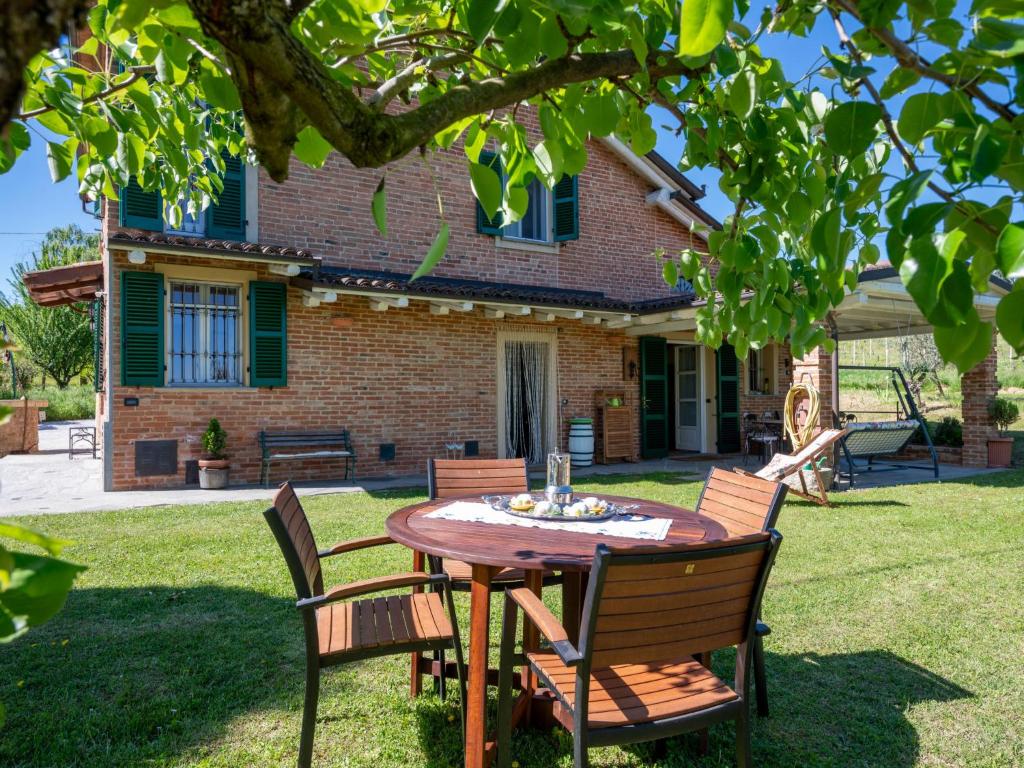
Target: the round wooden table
(489, 548)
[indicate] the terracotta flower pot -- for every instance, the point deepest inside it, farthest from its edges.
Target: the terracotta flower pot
(1000, 451)
(214, 464)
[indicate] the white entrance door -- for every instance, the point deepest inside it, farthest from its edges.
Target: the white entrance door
(688, 436)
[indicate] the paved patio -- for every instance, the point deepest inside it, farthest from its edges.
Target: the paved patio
(49, 483)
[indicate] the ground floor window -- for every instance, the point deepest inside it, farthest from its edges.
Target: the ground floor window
(761, 371)
(204, 334)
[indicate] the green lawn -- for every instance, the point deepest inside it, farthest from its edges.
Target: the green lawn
(898, 622)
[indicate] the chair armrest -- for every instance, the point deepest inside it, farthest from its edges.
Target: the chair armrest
(366, 586)
(744, 472)
(354, 544)
(546, 622)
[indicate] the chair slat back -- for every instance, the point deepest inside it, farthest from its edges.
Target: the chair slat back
(465, 477)
(654, 605)
(288, 521)
(740, 503)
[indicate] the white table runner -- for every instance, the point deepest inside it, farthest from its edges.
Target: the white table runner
(630, 527)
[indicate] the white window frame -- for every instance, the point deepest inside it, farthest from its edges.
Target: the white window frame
(549, 216)
(204, 315)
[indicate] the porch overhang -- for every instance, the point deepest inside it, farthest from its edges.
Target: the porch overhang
(61, 286)
(880, 307)
(384, 291)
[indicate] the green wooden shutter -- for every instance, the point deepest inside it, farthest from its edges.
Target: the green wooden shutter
(226, 219)
(567, 209)
(268, 334)
(728, 370)
(484, 225)
(140, 209)
(653, 397)
(142, 329)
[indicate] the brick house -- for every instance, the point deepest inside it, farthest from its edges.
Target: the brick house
(284, 309)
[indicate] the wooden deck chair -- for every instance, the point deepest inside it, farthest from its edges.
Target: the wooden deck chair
(452, 478)
(784, 465)
(339, 629)
(632, 676)
(744, 504)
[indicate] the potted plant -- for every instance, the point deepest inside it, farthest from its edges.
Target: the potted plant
(213, 463)
(1003, 413)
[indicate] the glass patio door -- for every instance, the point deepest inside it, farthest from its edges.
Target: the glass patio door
(688, 435)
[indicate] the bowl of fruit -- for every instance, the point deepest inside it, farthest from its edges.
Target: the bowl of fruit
(590, 509)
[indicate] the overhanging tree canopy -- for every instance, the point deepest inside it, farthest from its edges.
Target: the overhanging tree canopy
(905, 137)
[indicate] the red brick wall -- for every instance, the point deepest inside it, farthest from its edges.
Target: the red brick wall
(978, 387)
(816, 368)
(757, 404)
(328, 212)
(402, 376)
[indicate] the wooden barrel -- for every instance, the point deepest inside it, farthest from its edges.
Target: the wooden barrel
(581, 442)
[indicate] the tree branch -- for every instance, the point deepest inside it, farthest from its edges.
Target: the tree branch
(137, 74)
(909, 58)
(890, 129)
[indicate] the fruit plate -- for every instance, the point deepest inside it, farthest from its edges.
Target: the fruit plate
(501, 503)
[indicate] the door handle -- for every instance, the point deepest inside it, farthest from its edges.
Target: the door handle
(707, 400)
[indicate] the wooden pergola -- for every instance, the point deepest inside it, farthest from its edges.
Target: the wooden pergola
(65, 285)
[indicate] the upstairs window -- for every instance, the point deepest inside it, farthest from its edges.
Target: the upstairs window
(552, 216)
(535, 225)
(226, 220)
(204, 335)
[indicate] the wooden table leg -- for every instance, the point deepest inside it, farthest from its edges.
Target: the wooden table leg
(531, 640)
(572, 599)
(476, 688)
(419, 563)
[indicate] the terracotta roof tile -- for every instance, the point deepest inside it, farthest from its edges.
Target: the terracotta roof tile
(223, 247)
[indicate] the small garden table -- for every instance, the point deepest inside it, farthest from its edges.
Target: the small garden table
(489, 548)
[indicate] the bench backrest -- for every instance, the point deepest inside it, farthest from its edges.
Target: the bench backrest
(288, 521)
(650, 604)
(876, 439)
(464, 477)
(338, 437)
(741, 503)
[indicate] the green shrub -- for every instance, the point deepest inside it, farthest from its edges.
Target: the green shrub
(215, 440)
(1003, 412)
(75, 402)
(947, 432)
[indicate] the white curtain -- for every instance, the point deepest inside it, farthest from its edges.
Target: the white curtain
(526, 373)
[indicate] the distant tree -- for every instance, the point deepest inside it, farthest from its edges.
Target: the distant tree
(57, 339)
(25, 373)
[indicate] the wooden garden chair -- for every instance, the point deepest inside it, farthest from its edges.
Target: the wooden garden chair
(744, 504)
(648, 611)
(784, 465)
(339, 630)
(451, 478)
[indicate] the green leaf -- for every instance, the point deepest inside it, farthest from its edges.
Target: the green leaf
(219, 91)
(29, 536)
(486, 187)
(60, 158)
(601, 113)
(850, 128)
(434, 255)
(702, 25)
(480, 17)
(921, 112)
(898, 81)
(1010, 319)
(670, 273)
(966, 345)
(743, 93)
(923, 271)
(1010, 251)
(38, 587)
(379, 207)
(312, 148)
(825, 238)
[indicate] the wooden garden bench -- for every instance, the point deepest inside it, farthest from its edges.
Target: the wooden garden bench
(285, 446)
